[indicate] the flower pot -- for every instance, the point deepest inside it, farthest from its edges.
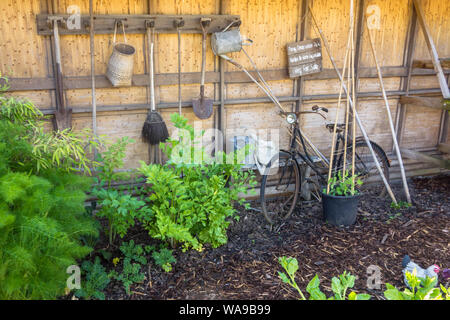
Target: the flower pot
(340, 210)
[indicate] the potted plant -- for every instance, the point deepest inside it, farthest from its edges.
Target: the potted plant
(340, 199)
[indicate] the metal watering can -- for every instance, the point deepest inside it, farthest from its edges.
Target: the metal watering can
(231, 41)
(228, 41)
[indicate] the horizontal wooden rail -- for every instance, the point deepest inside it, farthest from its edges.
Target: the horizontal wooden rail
(162, 79)
(282, 99)
(133, 23)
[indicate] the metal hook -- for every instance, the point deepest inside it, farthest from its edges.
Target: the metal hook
(237, 21)
(178, 23)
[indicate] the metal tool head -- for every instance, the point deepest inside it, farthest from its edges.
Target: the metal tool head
(203, 108)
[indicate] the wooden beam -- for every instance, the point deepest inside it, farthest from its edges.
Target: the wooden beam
(432, 49)
(444, 147)
(410, 43)
(162, 79)
(426, 158)
(429, 102)
(428, 64)
(135, 23)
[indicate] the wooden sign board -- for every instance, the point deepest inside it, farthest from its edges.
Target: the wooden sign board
(304, 57)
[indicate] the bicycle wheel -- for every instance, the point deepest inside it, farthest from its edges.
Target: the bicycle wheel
(279, 193)
(365, 167)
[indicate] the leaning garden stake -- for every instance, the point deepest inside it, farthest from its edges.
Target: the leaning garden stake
(363, 131)
(391, 123)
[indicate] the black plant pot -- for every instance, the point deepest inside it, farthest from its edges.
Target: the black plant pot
(340, 210)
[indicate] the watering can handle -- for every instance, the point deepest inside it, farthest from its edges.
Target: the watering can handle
(115, 32)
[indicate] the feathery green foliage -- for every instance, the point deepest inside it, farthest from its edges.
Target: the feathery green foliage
(41, 222)
(42, 214)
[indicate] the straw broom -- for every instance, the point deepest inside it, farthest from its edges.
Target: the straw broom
(155, 129)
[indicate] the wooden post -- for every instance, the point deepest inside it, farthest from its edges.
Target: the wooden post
(388, 110)
(432, 49)
(405, 84)
(92, 52)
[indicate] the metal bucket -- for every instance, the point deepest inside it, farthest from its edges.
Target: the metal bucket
(228, 41)
(120, 64)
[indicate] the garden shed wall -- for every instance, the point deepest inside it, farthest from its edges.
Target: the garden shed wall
(26, 58)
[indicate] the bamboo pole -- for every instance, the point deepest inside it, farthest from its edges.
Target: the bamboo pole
(391, 123)
(358, 120)
(330, 169)
(92, 53)
(353, 99)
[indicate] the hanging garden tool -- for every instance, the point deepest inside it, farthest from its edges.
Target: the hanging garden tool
(203, 107)
(63, 116)
(155, 129)
(231, 41)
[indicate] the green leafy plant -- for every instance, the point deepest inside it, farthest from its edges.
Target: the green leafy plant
(400, 205)
(131, 273)
(343, 185)
(135, 252)
(112, 159)
(164, 258)
(119, 207)
(339, 285)
(134, 258)
(96, 280)
(191, 202)
(421, 289)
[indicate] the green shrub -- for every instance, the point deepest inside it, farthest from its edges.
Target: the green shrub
(42, 214)
(191, 203)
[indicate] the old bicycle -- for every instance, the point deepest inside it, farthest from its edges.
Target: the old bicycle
(280, 193)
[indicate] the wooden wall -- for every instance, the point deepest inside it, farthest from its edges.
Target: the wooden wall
(270, 24)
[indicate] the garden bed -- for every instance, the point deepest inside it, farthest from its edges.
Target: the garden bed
(247, 266)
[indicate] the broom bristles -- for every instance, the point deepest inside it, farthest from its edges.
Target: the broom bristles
(155, 129)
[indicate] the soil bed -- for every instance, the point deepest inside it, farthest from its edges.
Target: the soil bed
(247, 266)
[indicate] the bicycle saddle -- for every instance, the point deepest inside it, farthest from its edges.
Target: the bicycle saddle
(340, 127)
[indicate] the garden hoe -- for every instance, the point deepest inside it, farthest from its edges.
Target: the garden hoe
(203, 107)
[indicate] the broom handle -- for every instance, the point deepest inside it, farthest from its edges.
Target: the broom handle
(150, 73)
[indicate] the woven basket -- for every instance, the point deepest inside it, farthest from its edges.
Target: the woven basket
(121, 62)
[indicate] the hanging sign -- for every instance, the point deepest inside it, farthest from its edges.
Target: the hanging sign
(304, 57)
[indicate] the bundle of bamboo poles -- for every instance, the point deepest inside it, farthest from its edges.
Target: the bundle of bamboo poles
(349, 71)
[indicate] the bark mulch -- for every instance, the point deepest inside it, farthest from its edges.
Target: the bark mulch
(247, 266)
